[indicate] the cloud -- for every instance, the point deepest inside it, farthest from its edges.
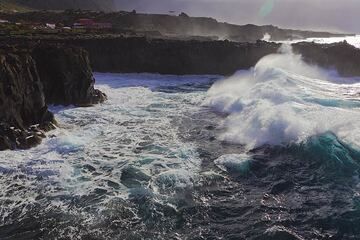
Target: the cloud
(305, 14)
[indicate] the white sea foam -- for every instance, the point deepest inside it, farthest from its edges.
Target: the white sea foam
(234, 163)
(266, 37)
(353, 40)
(283, 99)
(95, 145)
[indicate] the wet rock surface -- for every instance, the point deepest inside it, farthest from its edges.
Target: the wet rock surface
(22, 101)
(33, 76)
(66, 75)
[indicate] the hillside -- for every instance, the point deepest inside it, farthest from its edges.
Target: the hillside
(23, 5)
(168, 26)
(12, 6)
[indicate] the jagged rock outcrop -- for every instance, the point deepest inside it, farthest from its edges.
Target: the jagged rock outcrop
(22, 101)
(342, 56)
(24, 71)
(66, 75)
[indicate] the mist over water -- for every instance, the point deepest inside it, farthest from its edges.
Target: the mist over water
(268, 152)
(283, 100)
(87, 176)
(353, 40)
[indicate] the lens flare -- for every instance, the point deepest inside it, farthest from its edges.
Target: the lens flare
(267, 8)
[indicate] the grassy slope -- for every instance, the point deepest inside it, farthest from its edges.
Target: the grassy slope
(11, 6)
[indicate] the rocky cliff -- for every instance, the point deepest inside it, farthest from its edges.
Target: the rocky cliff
(205, 57)
(115, 53)
(51, 71)
(342, 56)
(66, 75)
(28, 79)
(172, 56)
(22, 101)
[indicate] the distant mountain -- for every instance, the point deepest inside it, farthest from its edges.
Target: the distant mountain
(100, 5)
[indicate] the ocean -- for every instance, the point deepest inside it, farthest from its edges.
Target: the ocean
(268, 153)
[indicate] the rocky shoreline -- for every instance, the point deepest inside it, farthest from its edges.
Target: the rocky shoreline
(36, 72)
(127, 55)
(30, 75)
(120, 54)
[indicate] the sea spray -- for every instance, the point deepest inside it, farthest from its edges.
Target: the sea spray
(336, 158)
(108, 170)
(352, 40)
(284, 100)
(234, 163)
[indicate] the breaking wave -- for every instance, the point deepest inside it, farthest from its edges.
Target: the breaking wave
(283, 101)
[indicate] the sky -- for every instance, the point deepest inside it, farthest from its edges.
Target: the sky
(333, 15)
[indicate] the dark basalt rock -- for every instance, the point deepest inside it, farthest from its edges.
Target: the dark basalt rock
(66, 76)
(22, 101)
(178, 57)
(120, 54)
(33, 76)
(342, 56)
(172, 56)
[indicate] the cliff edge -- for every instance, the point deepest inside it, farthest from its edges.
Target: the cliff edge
(28, 79)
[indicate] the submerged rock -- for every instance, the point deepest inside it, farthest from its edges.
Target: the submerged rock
(133, 177)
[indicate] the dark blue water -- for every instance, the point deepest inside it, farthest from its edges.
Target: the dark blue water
(151, 163)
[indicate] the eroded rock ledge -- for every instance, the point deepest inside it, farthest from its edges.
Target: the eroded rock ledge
(32, 77)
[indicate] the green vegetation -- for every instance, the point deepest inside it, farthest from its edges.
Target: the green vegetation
(12, 6)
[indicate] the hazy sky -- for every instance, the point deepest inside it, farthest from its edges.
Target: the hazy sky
(335, 15)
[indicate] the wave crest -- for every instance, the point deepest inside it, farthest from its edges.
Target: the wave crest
(284, 100)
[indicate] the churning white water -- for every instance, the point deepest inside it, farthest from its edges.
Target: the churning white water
(123, 164)
(128, 144)
(283, 99)
(353, 40)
